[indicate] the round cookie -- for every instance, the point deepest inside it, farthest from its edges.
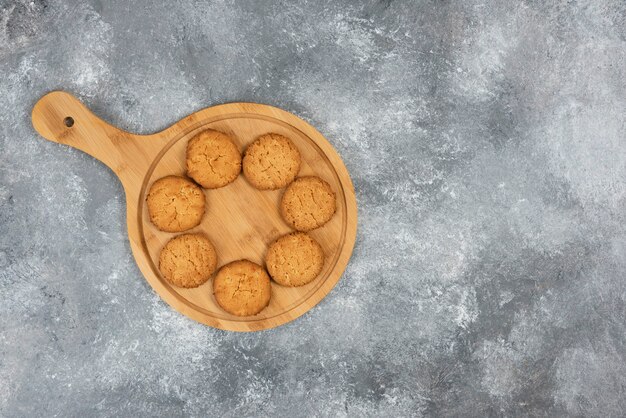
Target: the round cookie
(175, 204)
(294, 259)
(242, 288)
(213, 160)
(308, 203)
(188, 260)
(271, 162)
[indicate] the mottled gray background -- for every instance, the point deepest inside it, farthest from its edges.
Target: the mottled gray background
(487, 144)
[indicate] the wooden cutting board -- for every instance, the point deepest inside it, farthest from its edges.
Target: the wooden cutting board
(240, 220)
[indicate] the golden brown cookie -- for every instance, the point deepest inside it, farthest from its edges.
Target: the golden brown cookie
(308, 203)
(271, 162)
(213, 159)
(242, 288)
(175, 204)
(188, 260)
(294, 259)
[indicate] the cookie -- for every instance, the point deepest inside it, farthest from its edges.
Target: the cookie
(294, 259)
(308, 203)
(175, 204)
(188, 260)
(242, 288)
(213, 159)
(271, 162)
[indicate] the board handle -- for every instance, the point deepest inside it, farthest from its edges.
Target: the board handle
(60, 117)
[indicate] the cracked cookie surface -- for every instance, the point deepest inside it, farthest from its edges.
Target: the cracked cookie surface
(213, 159)
(308, 203)
(188, 260)
(175, 204)
(271, 162)
(242, 288)
(294, 259)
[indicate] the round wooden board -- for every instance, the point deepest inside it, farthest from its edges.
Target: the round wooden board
(240, 220)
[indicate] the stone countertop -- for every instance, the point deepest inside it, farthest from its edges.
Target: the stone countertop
(487, 145)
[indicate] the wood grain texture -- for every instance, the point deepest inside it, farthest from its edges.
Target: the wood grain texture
(240, 220)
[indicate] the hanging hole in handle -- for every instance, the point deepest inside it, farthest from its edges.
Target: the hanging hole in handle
(69, 121)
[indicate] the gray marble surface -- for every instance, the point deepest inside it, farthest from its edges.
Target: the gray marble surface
(487, 144)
